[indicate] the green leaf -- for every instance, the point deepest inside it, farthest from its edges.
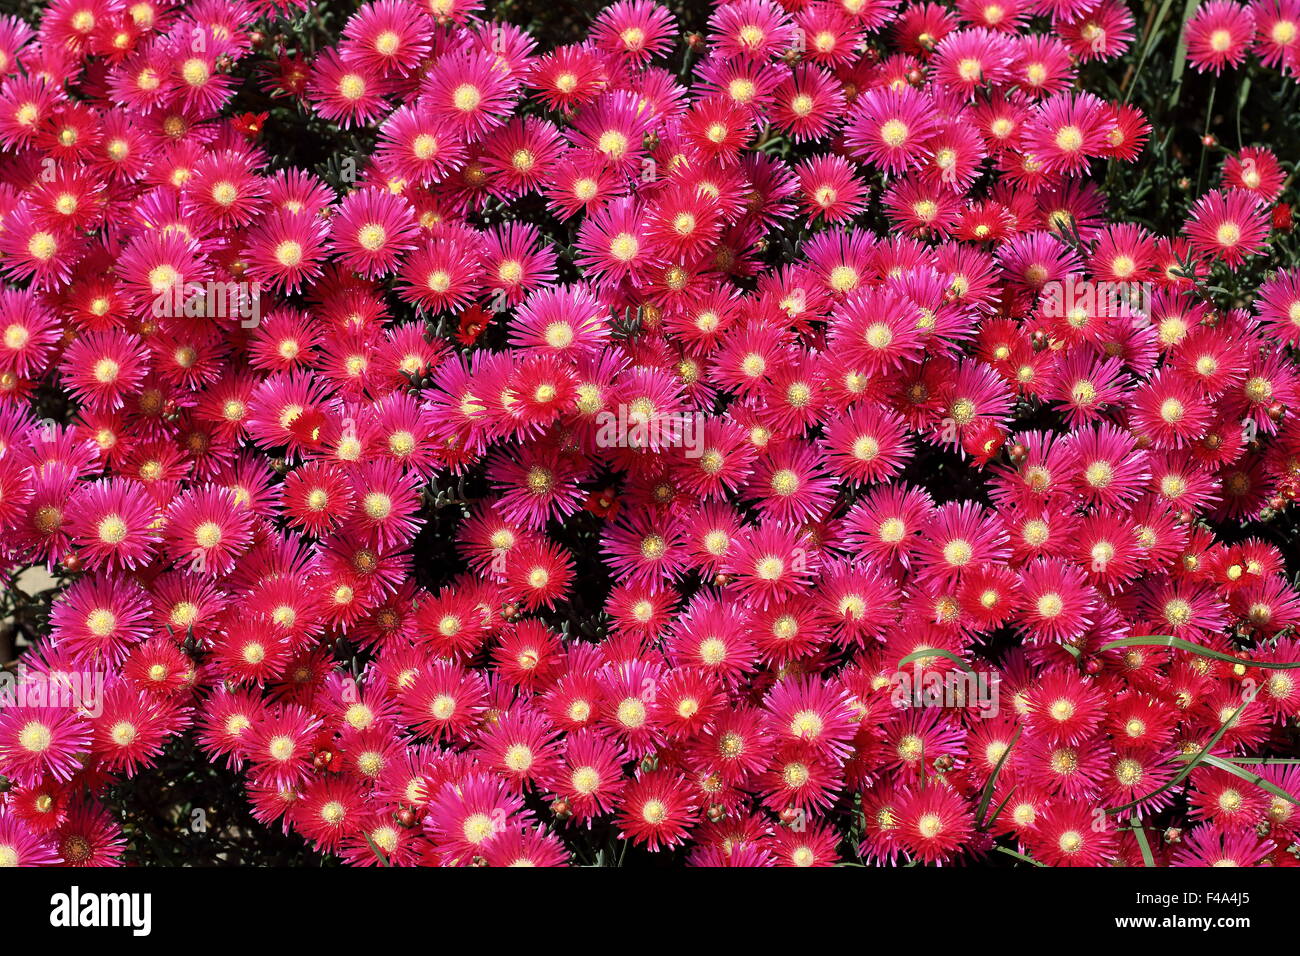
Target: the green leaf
(383, 860)
(935, 652)
(987, 795)
(1141, 833)
(1164, 640)
(997, 811)
(1152, 38)
(1019, 856)
(1192, 764)
(1180, 55)
(1254, 778)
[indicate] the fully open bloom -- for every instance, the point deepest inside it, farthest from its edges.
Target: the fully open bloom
(802, 441)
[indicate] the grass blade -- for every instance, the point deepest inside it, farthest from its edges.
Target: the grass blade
(1019, 856)
(987, 795)
(1254, 778)
(1141, 833)
(1166, 640)
(383, 860)
(925, 652)
(1191, 764)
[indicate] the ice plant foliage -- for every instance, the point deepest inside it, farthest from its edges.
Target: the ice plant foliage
(577, 471)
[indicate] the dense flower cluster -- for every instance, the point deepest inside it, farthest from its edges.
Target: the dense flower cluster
(816, 647)
(1222, 33)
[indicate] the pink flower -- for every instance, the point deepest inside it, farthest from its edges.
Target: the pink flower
(1219, 35)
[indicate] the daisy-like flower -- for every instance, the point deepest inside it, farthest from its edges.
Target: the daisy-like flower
(770, 561)
(539, 573)
(89, 836)
(415, 145)
(387, 502)
(206, 531)
(194, 70)
(99, 618)
(613, 243)
(657, 810)
(1169, 411)
(20, 845)
(710, 634)
(383, 38)
(28, 332)
(466, 92)
(464, 816)
(522, 154)
(590, 781)
(569, 75)
(724, 462)
(932, 823)
(102, 368)
(830, 190)
(515, 262)
(1085, 386)
(966, 60)
(879, 329)
(565, 320)
(808, 103)
(1277, 24)
(442, 275)
(536, 486)
(1102, 32)
(33, 250)
(278, 747)
(523, 748)
(443, 702)
(113, 523)
(1067, 131)
(287, 410)
(960, 535)
(1212, 846)
(525, 847)
(1228, 225)
(644, 548)
(35, 741)
(1056, 600)
(348, 94)
(223, 190)
(811, 713)
(814, 846)
(157, 268)
(718, 128)
(371, 231)
(328, 811)
(1111, 470)
(889, 128)
(1219, 34)
(791, 484)
(684, 222)
(1256, 170)
(1064, 706)
(611, 131)
(1065, 835)
(1226, 801)
(286, 249)
(756, 29)
(128, 734)
(633, 30)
